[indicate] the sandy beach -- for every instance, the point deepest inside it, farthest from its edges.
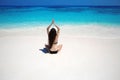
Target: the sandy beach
(93, 56)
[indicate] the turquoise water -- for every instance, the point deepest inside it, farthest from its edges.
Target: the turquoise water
(15, 17)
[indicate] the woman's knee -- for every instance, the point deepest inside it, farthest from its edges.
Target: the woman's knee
(59, 47)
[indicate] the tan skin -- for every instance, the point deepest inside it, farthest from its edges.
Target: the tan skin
(54, 47)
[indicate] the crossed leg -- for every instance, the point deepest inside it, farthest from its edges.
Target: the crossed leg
(59, 47)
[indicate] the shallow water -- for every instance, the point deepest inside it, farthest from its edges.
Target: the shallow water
(18, 17)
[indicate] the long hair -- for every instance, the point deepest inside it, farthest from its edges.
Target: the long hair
(52, 35)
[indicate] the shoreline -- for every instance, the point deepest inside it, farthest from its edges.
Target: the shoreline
(83, 31)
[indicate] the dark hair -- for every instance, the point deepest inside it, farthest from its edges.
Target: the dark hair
(52, 35)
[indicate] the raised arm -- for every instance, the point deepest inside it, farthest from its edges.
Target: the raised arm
(58, 29)
(49, 26)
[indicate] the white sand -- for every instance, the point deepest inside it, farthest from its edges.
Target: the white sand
(94, 56)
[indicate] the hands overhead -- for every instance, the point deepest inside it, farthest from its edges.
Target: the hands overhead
(53, 21)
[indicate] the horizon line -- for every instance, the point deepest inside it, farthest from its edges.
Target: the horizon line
(60, 5)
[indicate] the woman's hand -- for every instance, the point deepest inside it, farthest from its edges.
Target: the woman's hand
(53, 21)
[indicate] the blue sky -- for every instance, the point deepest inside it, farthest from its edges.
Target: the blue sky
(60, 2)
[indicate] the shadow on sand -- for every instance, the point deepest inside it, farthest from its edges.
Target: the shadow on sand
(44, 50)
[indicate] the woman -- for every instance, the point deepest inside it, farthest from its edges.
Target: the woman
(53, 35)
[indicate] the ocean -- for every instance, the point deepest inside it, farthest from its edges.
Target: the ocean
(32, 16)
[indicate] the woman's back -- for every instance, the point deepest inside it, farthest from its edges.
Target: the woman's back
(53, 35)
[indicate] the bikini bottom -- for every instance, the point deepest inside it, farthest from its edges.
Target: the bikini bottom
(53, 52)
